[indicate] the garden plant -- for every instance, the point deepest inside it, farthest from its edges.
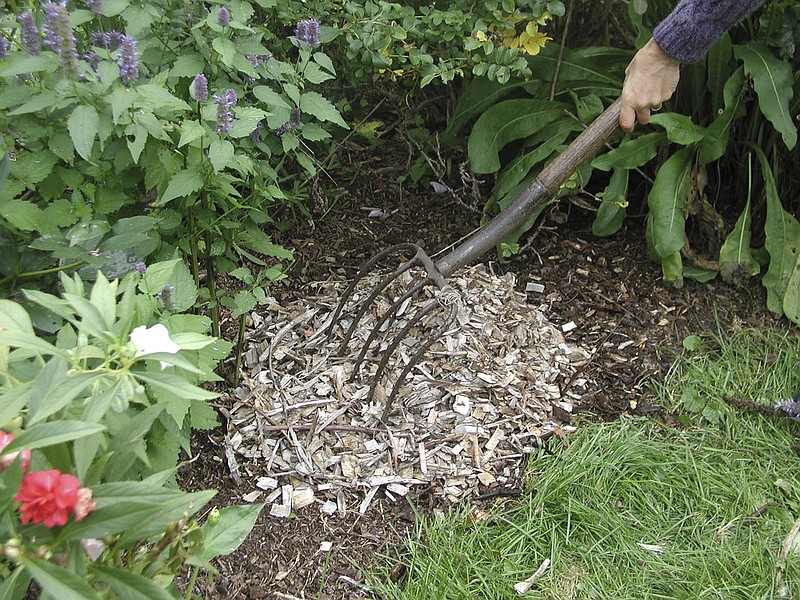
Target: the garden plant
(150, 153)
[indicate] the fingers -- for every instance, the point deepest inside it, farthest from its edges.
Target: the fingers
(627, 117)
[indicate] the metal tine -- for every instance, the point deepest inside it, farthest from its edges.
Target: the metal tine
(366, 268)
(418, 354)
(388, 317)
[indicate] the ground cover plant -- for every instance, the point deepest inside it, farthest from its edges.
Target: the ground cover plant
(639, 508)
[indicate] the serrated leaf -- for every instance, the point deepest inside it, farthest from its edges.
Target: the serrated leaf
(190, 131)
(130, 586)
(82, 125)
(182, 184)
(317, 105)
(176, 385)
(50, 434)
(31, 168)
(246, 121)
(270, 97)
(20, 63)
(21, 214)
(220, 153)
(46, 99)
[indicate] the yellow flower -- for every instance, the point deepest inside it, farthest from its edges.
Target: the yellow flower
(532, 40)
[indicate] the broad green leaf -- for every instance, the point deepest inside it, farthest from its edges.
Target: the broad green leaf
(104, 297)
(130, 586)
(718, 61)
(182, 184)
(50, 434)
(226, 50)
(270, 97)
(666, 220)
(14, 401)
(14, 318)
(782, 242)
(31, 168)
(246, 121)
(15, 585)
(190, 131)
(772, 81)
(736, 262)
(503, 123)
(20, 63)
(631, 153)
(791, 299)
(612, 211)
(57, 582)
(124, 515)
(44, 100)
(21, 214)
(136, 138)
(320, 107)
(679, 128)
(159, 99)
(172, 511)
(188, 65)
(220, 153)
(83, 124)
(226, 533)
(715, 141)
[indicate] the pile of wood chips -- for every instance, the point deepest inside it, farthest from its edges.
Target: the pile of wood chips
(301, 432)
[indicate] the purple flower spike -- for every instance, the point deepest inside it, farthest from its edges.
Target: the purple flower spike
(200, 87)
(58, 35)
(3, 47)
(140, 267)
(225, 104)
(128, 65)
(307, 31)
(223, 17)
(30, 34)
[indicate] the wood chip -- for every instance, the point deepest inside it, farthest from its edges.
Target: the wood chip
(304, 430)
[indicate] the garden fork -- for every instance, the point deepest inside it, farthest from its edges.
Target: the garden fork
(541, 190)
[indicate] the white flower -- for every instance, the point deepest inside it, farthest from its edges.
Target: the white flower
(150, 340)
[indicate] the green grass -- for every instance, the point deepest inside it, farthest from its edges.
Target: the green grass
(598, 501)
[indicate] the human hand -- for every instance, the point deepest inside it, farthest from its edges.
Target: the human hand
(650, 79)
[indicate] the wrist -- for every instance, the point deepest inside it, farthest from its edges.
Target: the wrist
(652, 50)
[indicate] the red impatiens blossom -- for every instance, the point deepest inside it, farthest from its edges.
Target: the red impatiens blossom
(49, 496)
(8, 459)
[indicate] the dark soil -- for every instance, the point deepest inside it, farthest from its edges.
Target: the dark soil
(606, 286)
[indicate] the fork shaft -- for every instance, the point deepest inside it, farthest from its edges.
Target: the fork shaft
(542, 189)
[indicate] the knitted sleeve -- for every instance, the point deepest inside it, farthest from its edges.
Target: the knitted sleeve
(688, 32)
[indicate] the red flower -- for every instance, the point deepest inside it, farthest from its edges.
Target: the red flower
(49, 496)
(7, 460)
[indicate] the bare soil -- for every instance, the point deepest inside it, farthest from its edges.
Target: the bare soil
(606, 286)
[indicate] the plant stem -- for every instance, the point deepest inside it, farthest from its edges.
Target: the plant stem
(239, 344)
(42, 272)
(192, 582)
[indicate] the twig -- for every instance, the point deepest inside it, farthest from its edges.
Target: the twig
(567, 20)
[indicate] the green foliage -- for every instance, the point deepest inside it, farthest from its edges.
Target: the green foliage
(737, 107)
(112, 397)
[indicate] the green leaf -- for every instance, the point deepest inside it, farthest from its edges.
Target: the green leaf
(53, 389)
(15, 318)
(159, 99)
(631, 153)
(782, 242)
(247, 119)
(270, 97)
(320, 107)
(21, 63)
(136, 138)
(715, 141)
(190, 131)
(226, 50)
(220, 153)
(503, 123)
(57, 582)
(41, 101)
(176, 385)
(130, 586)
(31, 168)
(666, 220)
(104, 297)
(83, 124)
(679, 128)
(30, 342)
(736, 262)
(611, 213)
(182, 184)
(188, 65)
(50, 434)
(772, 81)
(22, 214)
(225, 534)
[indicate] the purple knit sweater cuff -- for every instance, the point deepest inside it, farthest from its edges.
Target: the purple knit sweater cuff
(690, 30)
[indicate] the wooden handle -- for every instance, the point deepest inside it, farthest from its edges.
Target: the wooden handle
(544, 187)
